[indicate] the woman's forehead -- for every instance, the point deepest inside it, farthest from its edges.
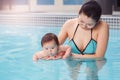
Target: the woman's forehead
(85, 17)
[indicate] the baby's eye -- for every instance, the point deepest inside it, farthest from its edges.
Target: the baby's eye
(46, 48)
(52, 47)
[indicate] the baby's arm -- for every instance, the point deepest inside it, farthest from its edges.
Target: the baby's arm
(38, 55)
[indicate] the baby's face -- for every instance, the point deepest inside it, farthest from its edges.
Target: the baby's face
(50, 48)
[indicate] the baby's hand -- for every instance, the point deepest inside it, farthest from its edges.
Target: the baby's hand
(46, 58)
(59, 55)
(35, 58)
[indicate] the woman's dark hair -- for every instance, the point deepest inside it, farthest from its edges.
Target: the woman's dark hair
(91, 9)
(49, 37)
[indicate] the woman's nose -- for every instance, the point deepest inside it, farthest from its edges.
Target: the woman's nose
(85, 25)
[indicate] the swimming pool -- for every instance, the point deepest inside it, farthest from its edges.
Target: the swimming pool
(19, 43)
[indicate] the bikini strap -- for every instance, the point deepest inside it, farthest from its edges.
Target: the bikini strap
(75, 31)
(91, 33)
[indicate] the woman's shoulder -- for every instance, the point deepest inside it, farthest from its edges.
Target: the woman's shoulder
(102, 25)
(71, 21)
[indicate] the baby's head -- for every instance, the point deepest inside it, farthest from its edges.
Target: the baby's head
(50, 44)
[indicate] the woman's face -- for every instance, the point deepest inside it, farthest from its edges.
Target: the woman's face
(50, 48)
(86, 22)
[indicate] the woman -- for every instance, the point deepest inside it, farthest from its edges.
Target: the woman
(88, 35)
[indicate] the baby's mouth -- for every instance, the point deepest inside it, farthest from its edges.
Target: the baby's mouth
(51, 54)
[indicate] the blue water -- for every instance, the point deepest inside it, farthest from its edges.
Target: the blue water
(19, 43)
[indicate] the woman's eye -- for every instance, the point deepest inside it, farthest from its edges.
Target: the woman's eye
(89, 24)
(81, 22)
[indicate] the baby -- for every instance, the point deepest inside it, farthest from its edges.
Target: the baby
(52, 49)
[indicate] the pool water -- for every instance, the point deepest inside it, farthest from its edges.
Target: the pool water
(19, 43)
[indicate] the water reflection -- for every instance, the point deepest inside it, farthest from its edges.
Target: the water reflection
(86, 69)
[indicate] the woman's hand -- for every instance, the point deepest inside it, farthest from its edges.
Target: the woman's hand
(76, 55)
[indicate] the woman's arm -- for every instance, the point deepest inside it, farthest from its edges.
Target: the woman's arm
(67, 50)
(102, 41)
(63, 34)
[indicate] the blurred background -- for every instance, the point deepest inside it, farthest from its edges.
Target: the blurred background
(110, 7)
(53, 12)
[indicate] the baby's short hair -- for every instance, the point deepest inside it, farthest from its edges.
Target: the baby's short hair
(49, 37)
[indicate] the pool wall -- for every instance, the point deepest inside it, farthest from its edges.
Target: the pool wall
(50, 19)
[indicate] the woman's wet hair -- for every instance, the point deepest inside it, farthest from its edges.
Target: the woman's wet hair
(49, 37)
(91, 9)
